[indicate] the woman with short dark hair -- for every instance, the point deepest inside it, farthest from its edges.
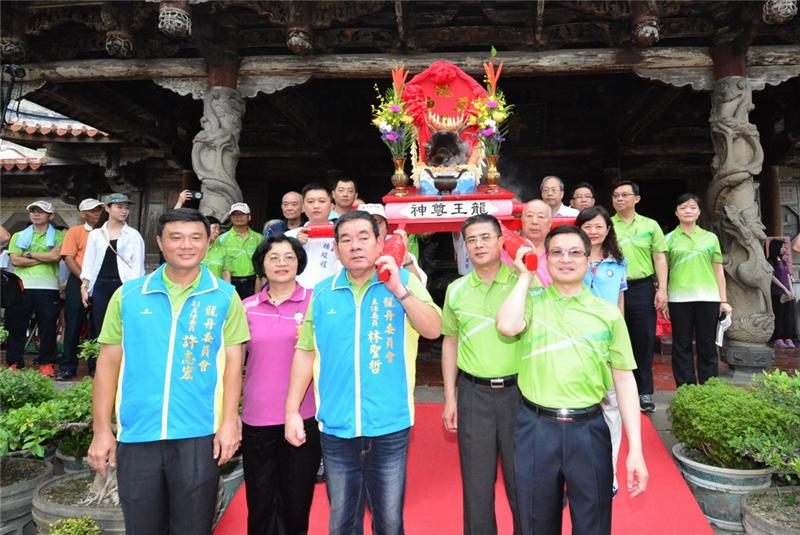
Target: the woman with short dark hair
(783, 297)
(697, 294)
(279, 478)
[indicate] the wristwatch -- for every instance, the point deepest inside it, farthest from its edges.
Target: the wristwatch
(28, 255)
(406, 295)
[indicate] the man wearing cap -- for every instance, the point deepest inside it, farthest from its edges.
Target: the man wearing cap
(35, 253)
(72, 251)
(410, 262)
(484, 410)
(239, 244)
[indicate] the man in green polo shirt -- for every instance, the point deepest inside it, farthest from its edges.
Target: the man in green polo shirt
(573, 347)
(642, 243)
(484, 412)
(238, 245)
(215, 259)
(35, 253)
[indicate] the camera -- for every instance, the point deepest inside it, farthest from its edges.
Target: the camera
(197, 195)
(14, 70)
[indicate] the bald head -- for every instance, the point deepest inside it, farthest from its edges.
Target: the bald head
(536, 218)
(292, 206)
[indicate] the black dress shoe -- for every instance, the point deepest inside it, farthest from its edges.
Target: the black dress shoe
(65, 376)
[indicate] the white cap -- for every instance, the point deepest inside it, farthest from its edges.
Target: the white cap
(373, 209)
(44, 205)
(239, 207)
(89, 204)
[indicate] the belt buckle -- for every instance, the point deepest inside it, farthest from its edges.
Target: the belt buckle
(497, 383)
(563, 416)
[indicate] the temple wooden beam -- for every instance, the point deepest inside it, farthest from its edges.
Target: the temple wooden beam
(583, 61)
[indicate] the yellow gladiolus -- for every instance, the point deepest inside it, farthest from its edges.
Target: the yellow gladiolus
(499, 116)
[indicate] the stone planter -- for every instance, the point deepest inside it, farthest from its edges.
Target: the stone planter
(760, 520)
(15, 499)
(46, 510)
(73, 465)
(719, 491)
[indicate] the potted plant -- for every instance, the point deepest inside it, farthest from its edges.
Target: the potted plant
(18, 479)
(719, 426)
(75, 526)
(18, 388)
(89, 349)
(73, 448)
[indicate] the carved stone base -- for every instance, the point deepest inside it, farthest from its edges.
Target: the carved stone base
(746, 360)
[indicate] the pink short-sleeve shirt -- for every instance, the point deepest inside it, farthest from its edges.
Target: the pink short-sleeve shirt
(273, 334)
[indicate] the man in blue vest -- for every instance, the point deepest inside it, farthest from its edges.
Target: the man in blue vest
(170, 366)
(359, 341)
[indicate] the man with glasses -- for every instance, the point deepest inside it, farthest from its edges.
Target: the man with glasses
(292, 209)
(552, 189)
(484, 411)
(643, 245)
(582, 196)
(573, 347)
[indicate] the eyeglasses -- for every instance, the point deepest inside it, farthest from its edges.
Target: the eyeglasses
(573, 254)
(286, 259)
(483, 238)
(582, 197)
(623, 195)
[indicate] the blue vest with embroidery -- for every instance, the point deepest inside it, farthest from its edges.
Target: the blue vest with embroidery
(364, 382)
(173, 361)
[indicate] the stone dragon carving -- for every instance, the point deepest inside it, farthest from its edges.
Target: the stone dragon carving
(215, 150)
(738, 157)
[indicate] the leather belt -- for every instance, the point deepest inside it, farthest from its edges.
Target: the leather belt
(497, 382)
(564, 415)
(636, 282)
(244, 279)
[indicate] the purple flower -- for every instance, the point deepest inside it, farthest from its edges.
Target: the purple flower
(491, 104)
(498, 138)
(391, 137)
(395, 108)
(487, 132)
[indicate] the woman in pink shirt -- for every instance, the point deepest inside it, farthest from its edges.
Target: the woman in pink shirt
(279, 478)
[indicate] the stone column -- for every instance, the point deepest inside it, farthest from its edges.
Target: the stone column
(215, 150)
(731, 196)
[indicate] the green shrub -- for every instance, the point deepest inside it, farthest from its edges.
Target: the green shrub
(718, 420)
(84, 525)
(76, 442)
(89, 349)
(31, 426)
(3, 334)
(18, 388)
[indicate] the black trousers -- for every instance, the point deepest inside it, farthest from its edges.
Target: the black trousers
(104, 288)
(486, 425)
(549, 454)
(46, 305)
(75, 315)
(784, 319)
(168, 486)
(694, 321)
(640, 317)
(245, 286)
(279, 479)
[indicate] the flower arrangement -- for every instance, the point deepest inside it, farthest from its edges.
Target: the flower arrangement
(491, 113)
(391, 117)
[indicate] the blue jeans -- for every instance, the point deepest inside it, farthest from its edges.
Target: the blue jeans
(366, 470)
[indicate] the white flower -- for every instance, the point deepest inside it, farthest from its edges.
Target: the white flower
(384, 126)
(491, 123)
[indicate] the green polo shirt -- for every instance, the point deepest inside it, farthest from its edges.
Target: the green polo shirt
(638, 242)
(239, 251)
(235, 327)
(470, 307)
(215, 259)
(305, 340)
(568, 348)
(40, 276)
(691, 259)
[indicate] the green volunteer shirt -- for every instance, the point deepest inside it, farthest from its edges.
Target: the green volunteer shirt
(235, 328)
(691, 259)
(638, 242)
(41, 276)
(306, 339)
(470, 307)
(568, 348)
(239, 251)
(215, 259)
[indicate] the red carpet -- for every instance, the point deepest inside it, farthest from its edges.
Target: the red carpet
(433, 494)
